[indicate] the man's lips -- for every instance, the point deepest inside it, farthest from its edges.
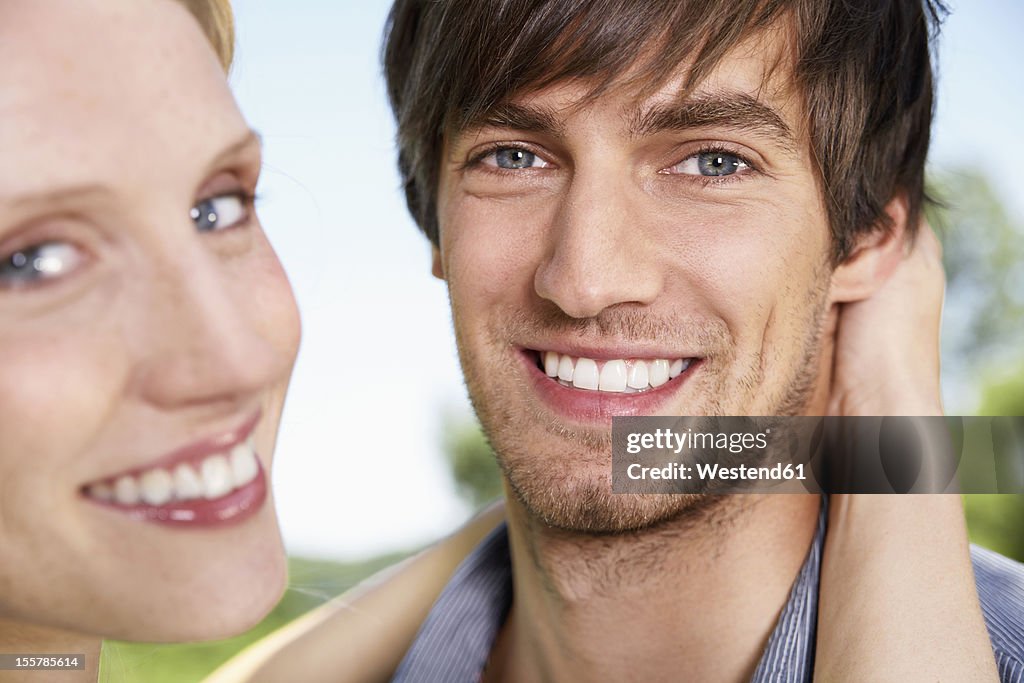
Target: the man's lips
(212, 480)
(596, 389)
(615, 375)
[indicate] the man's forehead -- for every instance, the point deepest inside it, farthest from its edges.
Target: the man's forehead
(749, 89)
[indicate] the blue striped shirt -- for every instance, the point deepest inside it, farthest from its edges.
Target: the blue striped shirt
(455, 641)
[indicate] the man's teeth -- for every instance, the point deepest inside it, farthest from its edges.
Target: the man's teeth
(658, 372)
(613, 376)
(565, 368)
(638, 376)
(215, 477)
(616, 376)
(584, 376)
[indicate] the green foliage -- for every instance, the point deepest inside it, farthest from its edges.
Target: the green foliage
(474, 468)
(1004, 392)
(996, 521)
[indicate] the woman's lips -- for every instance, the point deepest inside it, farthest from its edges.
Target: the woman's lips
(212, 481)
(237, 505)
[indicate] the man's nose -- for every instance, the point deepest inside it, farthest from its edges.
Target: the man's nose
(206, 342)
(597, 256)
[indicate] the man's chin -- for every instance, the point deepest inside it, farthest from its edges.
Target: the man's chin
(585, 507)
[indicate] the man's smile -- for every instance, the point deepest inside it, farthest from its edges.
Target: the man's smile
(630, 375)
(599, 386)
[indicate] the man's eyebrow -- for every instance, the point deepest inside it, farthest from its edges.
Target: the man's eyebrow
(529, 119)
(738, 111)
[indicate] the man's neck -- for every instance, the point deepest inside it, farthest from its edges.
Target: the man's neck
(693, 600)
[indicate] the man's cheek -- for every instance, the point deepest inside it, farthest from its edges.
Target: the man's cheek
(474, 281)
(736, 285)
(484, 265)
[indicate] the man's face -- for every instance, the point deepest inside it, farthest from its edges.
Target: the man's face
(658, 255)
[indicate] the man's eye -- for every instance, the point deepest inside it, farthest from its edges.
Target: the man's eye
(514, 158)
(221, 212)
(38, 263)
(710, 164)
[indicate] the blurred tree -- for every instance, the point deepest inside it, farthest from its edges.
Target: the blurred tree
(472, 462)
(983, 329)
(983, 321)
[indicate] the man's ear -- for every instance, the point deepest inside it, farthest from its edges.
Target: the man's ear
(435, 267)
(874, 257)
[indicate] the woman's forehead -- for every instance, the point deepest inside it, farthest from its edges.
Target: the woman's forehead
(93, 86)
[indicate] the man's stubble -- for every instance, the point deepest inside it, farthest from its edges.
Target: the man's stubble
(568, 487)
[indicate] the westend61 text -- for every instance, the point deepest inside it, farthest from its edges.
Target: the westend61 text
(715, 472)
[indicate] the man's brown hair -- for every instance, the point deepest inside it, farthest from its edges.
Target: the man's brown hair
(863, 69)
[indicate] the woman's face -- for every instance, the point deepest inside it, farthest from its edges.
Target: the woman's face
(147, 331)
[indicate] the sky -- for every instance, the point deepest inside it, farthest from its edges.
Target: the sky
(359, 468)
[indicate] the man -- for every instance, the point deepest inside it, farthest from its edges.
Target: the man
(654, 209)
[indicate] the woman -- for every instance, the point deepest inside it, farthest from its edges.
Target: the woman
(147, 333)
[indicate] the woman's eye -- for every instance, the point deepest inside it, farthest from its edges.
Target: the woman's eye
(219, 213)
(38, 263)
(514, 158)
(710, 164)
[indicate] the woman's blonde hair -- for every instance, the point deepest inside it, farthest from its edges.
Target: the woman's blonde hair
(218, 23)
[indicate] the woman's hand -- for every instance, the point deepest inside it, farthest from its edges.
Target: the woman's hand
(362, 635)
(898, 600)
(887, 346)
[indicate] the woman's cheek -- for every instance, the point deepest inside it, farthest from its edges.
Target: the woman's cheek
(55, 396)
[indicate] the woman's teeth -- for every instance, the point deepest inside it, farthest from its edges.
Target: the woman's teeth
(617, 376)
(215, 477)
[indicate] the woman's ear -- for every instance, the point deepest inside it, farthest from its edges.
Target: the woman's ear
(874, 257)
(435, 267)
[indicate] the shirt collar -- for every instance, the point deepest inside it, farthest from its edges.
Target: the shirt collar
(455, 641)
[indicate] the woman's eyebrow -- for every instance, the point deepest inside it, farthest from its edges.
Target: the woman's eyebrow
(77, 193)
(251, 141)
(734, 110)
(49, 197)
